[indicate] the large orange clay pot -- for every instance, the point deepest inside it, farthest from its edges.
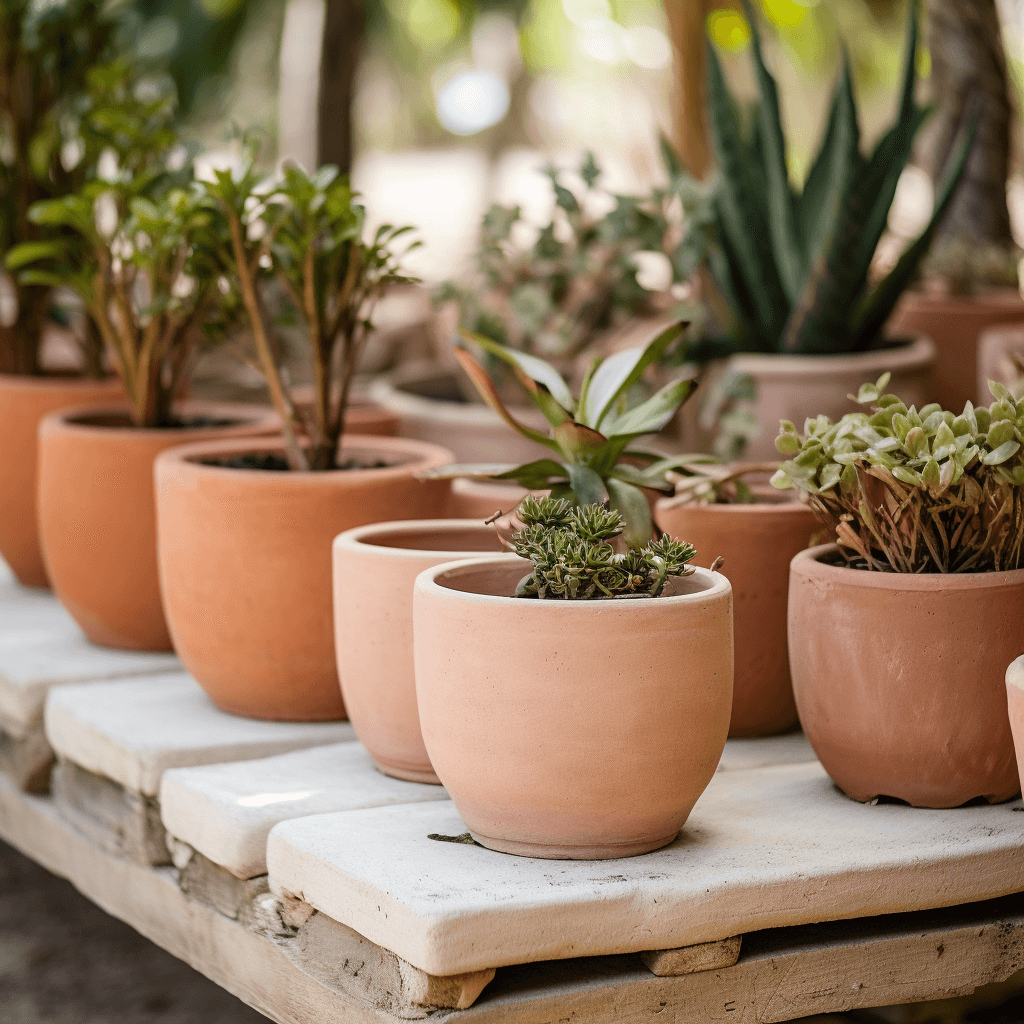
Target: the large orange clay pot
(97, 518)
(24, 401)
(571, 729)
(757, 543)
(795, 387)
(245, 564)
(899, 678)
(374, 571)
(955, 323)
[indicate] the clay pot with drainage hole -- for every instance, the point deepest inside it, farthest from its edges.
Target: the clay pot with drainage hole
(245, 562)
(97, 514)
(571, 729)
(375, 568)
(899, 678)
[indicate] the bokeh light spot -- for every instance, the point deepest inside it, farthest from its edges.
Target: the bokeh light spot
(728, 30)
(471, 102)
(784, 13)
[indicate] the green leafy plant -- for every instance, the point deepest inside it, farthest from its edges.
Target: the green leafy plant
(909, 490)
(305, 233)
(572, 548)
(794, 266)
(46, 53)
(590, 436)
(579, 278)
(134, 244)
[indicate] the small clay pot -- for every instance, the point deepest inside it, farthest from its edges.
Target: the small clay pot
(374, 571)
(24, 401)
(245, 564)
(955, 324)
(571, 729)
(97, 516)
(757, 542)
(899, 678)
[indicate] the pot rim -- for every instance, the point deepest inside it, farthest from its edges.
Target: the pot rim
(1002, 297)
(1015, 673)
(352, 540)
(41, 381)
(915, 353)
(182, 458)
(759, 508)
(808, 564)
(244, 416)
(426, 583)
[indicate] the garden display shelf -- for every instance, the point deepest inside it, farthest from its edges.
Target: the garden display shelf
(274, 859)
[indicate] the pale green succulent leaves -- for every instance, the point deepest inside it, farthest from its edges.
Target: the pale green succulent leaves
(590, 434)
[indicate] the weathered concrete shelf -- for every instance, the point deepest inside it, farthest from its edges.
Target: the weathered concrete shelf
(765, 848)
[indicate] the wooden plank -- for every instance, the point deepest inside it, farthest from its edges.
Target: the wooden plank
(705, 956)
(27, 759)
(783, 973)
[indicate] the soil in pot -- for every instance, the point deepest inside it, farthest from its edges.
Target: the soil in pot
(98, 516)
(899, 678)
(245, 563)
(375, 568)
(757, 542)
(571, 729)
(24, 401)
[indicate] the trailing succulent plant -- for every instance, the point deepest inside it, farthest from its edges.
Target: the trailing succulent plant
(572, 548)
(591, 434)
(910, 490)
(794, 266)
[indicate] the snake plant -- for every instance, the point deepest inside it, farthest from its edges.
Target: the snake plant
(794, 265)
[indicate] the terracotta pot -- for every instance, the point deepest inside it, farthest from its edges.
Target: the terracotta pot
(480, 499)
(955, 324)
(24, 401)
(431, 407)
(97, 517)
(571, 729)
(795, 387)
(245, 565)
(757, 542)
(363, 415)
(899, 678)
(374, 571)
(1015, 706)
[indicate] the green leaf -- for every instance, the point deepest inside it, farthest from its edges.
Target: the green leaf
(1005, 451)
(531, 367)
(32, 252)
(651, 416)
(587, 486)
(536, 476)
(632, 503)
(578, 442)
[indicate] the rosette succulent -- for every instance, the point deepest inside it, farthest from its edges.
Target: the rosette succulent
(910, 490)
(574, 556)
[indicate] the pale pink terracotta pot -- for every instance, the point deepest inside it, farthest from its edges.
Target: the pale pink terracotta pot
(899, 678)
(1015, 706)
(757, 542)
(375, 568)
(571, 729)
(480, 499)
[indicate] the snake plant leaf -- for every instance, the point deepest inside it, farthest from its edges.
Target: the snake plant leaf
(528, 369)
(725, 264)
(483, 383)
(743, 219)
(587, 484)
(879, 304)
(651, 416)
(632, 503)
(619, 372)
(833, 171)
(782, 219)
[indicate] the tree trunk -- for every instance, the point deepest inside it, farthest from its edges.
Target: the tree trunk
(339, 55)
(969, 77)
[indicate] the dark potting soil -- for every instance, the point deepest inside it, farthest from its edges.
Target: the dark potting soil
(275, 463)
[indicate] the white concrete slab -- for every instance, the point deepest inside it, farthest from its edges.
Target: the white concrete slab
(132, 732)
(765, 848)
(742, 755)
(226, 811)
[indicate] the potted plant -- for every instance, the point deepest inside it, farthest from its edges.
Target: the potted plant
(970, 281)
(375, 567)
(576, 287)
(901, 633)
(592, 685)
(730, 512)
(46, 52)
(794, 266)
(245, 528)
(591, 434)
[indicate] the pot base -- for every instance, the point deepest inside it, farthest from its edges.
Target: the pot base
(544, 851)
(407, 774)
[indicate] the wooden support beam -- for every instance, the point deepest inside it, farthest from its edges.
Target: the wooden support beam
(705, 956)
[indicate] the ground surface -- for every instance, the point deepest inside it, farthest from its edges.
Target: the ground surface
(64, 961)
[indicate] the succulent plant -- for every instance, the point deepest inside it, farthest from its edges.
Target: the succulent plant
(590, 435)
(910, 490)
(794, 266)
(572, 548)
